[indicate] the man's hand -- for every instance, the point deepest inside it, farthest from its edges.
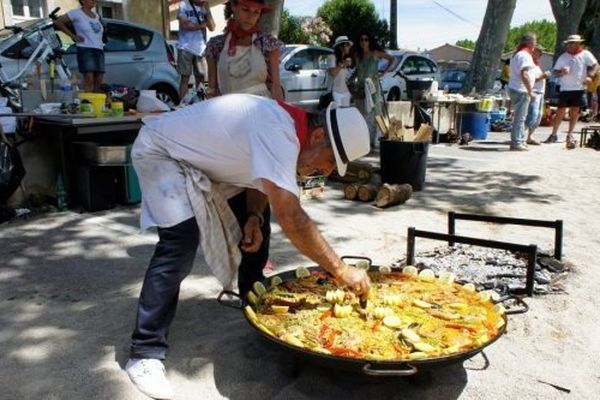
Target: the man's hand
(356, 279)
(252, 235)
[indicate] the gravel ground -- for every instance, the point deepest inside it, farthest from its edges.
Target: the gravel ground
(69, 284)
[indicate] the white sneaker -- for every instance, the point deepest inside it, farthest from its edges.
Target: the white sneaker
(148, 375)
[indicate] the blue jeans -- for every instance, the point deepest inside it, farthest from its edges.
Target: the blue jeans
(90, 60)
(534, 111)
(172, 261)
(519, 102)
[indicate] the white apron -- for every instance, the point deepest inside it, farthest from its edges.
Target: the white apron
(244, 72)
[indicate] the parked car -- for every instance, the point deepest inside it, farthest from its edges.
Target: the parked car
(413, 65)
(453, 80)
(135, 55)
(303, 72)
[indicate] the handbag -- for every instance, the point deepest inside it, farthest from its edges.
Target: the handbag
(356, 86)
(325, 99)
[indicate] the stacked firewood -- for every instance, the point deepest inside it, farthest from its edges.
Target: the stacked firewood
(364, 184)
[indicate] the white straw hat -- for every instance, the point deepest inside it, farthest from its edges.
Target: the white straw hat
(342, 39)
(348, 133)
(573, 39)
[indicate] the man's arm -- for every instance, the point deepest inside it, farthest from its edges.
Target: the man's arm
(304, 234)
(526, 81)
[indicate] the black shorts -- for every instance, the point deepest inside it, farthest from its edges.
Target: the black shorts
(90, 60)
(572, 98)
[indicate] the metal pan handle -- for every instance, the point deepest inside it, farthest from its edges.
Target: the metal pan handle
(357, 258)
(368, 370)
(223, 302)
(524, 307)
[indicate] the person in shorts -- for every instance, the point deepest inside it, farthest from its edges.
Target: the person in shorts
(194, 19)
(575, 67)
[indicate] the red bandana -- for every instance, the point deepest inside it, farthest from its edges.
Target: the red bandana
(300, 118)
(525, 47)
(577, 50)
(238, 33)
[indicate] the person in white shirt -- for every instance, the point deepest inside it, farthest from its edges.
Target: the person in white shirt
(520, 89)
(536, 105)
(86, 30)
(252, 145)
(575, 67)
(337, 66)
(194, 18)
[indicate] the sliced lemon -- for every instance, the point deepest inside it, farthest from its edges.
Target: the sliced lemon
(424, 347)
(280, 309)
(259, 288)
(363, 264)
(302, 272)
(324, 307)
(417, 354)
(447, 277)
(392, 321)
(250, 313)
(485, 296)
(427, 275)
(385, 269)
(410, 335)
(252, 298)
(275, 281)
(410, 270)
(469, 287)
(421, 303)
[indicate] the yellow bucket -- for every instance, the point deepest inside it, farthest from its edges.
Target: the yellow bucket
(97, 100)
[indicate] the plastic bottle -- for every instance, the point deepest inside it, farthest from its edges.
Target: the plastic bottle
(67, 89)
(61, 194)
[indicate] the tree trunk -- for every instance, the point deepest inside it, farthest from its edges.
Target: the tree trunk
(270, 22)
(488, 49)
(590, 26)
(394, 24)
(568, 15)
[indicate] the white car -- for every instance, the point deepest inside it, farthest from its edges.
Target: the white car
(303, 73)
(413, 65)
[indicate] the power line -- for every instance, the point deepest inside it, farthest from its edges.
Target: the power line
(460, 17)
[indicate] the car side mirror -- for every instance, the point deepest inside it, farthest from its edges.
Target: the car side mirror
(294, 67)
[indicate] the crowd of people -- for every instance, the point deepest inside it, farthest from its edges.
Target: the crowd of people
(577, 71)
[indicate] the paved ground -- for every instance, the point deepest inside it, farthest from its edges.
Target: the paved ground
(69, 284)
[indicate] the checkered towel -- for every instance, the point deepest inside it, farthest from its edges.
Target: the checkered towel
(220, 232)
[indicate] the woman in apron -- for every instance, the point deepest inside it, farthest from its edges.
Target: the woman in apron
(244, 59)
(337, 65)
(368, 56)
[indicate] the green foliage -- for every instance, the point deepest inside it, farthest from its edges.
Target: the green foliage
(353, 17)
(290, 31)
(466, 43)
(545, 31)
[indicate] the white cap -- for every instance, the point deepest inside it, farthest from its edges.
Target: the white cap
(342, 39)
(348, 133)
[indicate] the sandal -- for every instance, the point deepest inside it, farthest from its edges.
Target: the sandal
(551, 139)
(571, 143)
(533, 142)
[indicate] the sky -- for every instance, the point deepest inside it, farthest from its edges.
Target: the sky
(425, 24)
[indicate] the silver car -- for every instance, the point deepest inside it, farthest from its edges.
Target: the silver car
(303, 73)
(135, 56)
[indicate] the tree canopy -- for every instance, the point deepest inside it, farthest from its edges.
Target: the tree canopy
(466, 43)
(354, 17)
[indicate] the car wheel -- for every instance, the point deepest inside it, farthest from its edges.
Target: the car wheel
(394, 94)
(166, 94)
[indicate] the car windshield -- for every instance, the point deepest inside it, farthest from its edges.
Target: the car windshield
(383, 63)
(453, 76)
(286, 50)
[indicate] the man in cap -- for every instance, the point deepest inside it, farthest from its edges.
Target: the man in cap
(574, 67)
(253, 149)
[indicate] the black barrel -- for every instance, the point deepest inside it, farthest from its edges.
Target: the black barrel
(404, 162)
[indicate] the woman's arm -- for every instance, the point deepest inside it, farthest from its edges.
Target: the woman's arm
(213, 83)
(390, 59)
(276, 89)
(61, 24)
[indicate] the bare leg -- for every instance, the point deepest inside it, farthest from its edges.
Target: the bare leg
(573, 116)
(98, 79)
(88, 81)
(183, 86)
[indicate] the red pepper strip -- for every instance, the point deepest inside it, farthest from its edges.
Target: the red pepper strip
(461, 327)
(324, 329)
(330, 339)
(326, 314)
(340, 351)
(399, 348)
(376, 326)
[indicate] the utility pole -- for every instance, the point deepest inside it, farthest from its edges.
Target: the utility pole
(394, 24)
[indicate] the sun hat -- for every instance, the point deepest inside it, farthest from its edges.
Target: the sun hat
(348, 133)
(257, 4)
(573, 39)
(342, 39)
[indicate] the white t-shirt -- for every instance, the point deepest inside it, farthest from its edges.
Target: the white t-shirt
(539, 87)
(191, 41)
(236, 140)
(90, 29)
(578, 65)
(518, 62)
(339, 80)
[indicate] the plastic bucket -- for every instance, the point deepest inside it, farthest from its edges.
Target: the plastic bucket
(404, 162)
(475, 123)
(97, 100)
(498, 115)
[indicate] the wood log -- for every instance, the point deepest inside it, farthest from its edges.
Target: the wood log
(390, 195)
(367, 192)
(356, 171)
(351, 191)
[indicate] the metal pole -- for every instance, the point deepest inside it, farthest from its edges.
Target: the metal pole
(410, 246)
(531, 262)
(451, 225)
(558, 237)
